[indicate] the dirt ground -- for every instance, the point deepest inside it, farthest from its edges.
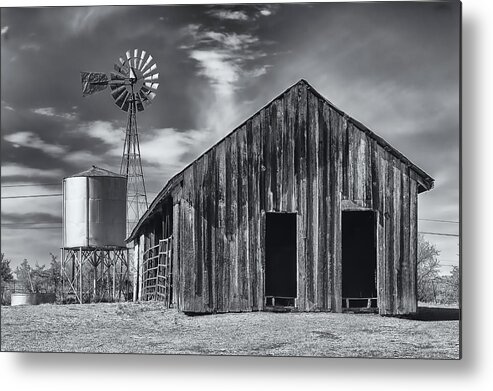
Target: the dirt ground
(149, 328)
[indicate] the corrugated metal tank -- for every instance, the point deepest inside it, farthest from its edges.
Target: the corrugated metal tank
(94, 209)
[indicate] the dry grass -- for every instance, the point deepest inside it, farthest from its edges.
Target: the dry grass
(149, 328)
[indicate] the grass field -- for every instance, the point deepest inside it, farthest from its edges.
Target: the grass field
(149, 328)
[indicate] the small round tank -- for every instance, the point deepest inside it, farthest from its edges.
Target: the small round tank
(94, 209)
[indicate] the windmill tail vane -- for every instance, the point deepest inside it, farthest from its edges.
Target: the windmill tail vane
(133, 85)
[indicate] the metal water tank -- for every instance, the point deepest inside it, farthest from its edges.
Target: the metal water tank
(94, 209)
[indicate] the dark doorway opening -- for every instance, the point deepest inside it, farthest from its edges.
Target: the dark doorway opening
(280, 259)
(359, 259)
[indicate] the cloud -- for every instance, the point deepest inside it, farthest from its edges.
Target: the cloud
(50, 112)
(83, 20)
(105, 131)
(14, 170)
(219, 67)
(224, 58)
(228, 61)
(99, 132)
(269, 9)
(31, 217)
(31, 46)
(229, 15)
(4, 30)
(31, 140)
(230, 41)
(169, 146)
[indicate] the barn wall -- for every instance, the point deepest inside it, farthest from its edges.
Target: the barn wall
(298, 154)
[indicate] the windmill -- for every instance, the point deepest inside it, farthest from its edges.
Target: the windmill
(133, 85)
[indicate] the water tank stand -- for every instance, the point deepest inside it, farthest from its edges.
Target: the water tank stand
(95, 274)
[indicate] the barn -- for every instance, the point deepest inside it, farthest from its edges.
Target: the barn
(300, 207)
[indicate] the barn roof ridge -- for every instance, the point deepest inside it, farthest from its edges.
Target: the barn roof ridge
(427, 184)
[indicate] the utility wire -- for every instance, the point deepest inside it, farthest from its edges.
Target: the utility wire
(438, 234)
(441, 221)
(35, 227)
(30, 223)
(33, 196)
(32, 184)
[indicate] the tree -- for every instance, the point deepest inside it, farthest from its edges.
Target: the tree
(428, 268)
(55, 275)
(5, 271)
(34, 280)
(451, 286)
(23, 272)
(5, 277)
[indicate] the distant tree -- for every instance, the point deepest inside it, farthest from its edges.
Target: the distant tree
(5, 277)
(55, 275)
(451, 286)
(5, 271)
(23, 273)
(34, 280)
(428, 270)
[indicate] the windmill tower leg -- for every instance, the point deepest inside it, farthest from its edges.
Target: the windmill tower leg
(131, 167)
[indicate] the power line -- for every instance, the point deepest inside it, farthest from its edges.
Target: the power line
(441, 221)
(29, 223)
(32, 184)
(33, 196)
(60, 227)
(438, 234)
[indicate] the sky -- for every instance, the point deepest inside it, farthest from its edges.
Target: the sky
(394, 67)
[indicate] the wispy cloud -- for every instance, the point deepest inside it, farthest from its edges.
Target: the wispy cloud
(229, 14)
(105, 132)
(228, 60)
(224, 58)
(31, 46)
(86, 19)
(51, 112)
(17, 170)
(4, 30)
(268, 9)
(31, 140)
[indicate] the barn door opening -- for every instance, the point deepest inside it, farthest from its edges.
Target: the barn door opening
(359, 259)
(280, 259)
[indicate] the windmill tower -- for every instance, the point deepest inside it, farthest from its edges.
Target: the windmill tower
(133, 85)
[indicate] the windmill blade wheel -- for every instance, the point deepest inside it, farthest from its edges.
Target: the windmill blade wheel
(136, 73)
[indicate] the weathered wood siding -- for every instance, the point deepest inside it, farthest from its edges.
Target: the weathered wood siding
(298, 154)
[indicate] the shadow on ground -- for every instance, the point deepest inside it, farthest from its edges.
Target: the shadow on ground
(436, 314)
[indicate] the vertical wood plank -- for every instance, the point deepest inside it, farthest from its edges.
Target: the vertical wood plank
(228, 264)
(289, 156)
(220, 228)
(389, 208)
(197, 232)
(396, 239)
(313, 197)
(328, 279)
(253, 135)
(176, 250)
(233, 216)
(413, 246)
(302, 195)
(322, 210)
(279, 130)
(212, 203)
(405, 222)
(259, 147)
(242, 225)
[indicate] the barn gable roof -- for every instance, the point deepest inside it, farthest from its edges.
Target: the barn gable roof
(425, 181)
